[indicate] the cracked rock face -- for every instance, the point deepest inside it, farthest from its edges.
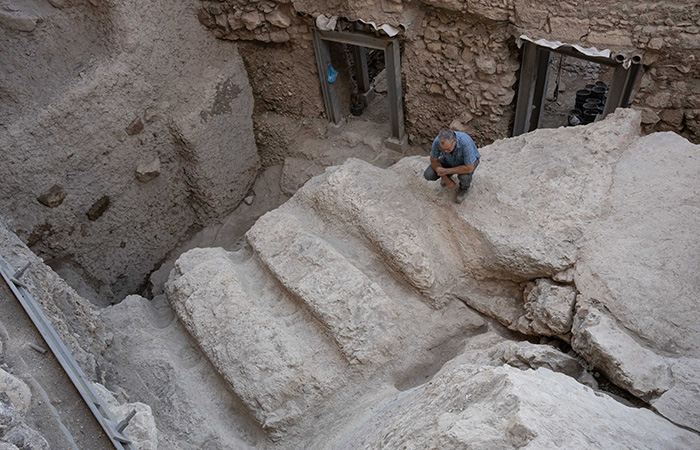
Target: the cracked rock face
(371, 291)
(549, 309)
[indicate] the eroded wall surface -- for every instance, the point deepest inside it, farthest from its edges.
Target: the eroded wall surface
(461, 59)
(124, 126)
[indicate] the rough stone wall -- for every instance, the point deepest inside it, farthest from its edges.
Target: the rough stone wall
(459, 68)
(665, 34)
(276, 47)
(460, 62)
(275, 69)
(113, 151)
(272, 67)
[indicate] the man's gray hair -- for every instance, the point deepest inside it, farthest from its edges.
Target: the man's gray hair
(447, 136)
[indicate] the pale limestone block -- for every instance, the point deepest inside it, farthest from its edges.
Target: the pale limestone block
(251, 19)
(278, 18)
(148, 171)
(549, 309)
(357, 312)
(597, 337)
(18, 392)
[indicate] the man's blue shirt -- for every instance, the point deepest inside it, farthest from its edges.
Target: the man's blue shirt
(464, 153)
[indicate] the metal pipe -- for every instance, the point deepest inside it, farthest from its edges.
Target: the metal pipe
(65, 359)
(629, 84)
(620, 58)
(41, 350)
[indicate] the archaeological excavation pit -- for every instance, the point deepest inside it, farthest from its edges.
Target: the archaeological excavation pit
(217, 250)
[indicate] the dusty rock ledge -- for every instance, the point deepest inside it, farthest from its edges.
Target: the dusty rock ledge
(367, 281)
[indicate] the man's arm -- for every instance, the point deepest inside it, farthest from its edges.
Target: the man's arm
(459, 170)
(441, 172)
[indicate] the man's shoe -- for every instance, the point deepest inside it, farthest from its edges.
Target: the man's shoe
(461, 195)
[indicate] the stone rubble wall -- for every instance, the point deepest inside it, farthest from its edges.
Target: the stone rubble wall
(459, 68)
(665, 34)
(275, 70)
(460, 60)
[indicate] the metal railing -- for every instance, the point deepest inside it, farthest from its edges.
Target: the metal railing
(113, 429)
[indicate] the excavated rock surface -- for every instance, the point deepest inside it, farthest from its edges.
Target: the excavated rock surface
(371, 311)
(348, 321)
(123, 124)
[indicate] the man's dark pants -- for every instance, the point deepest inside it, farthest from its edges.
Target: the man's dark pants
(465, 179)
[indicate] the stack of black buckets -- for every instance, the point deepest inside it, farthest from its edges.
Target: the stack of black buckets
(590, 101)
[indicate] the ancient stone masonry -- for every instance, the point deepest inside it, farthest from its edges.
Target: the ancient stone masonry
(665, 34)
(266, 21)
(275, 73)
(459, 69)
(371, 311)
(460, 61)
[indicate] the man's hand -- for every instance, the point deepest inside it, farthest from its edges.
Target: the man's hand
(449, 183)
(441, 171)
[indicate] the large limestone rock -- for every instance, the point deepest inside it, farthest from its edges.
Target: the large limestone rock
(362, 287)
(18, 394)
(323, 322)
(549, 309)
(141, 427)
(15, 399)
(640, 262)
(354, 308)
(164, 367)
(255, 346)
(505, 407)
(599, 339)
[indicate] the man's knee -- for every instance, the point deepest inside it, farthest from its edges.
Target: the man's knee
(465, 180)
(430, 174)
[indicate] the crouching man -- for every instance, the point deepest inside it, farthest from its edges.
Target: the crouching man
(453, 153)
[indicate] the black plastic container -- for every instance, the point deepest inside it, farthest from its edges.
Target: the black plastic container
(598, 92)
(589, 115)
(583, 93)
(581, 96)
(590, 107)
